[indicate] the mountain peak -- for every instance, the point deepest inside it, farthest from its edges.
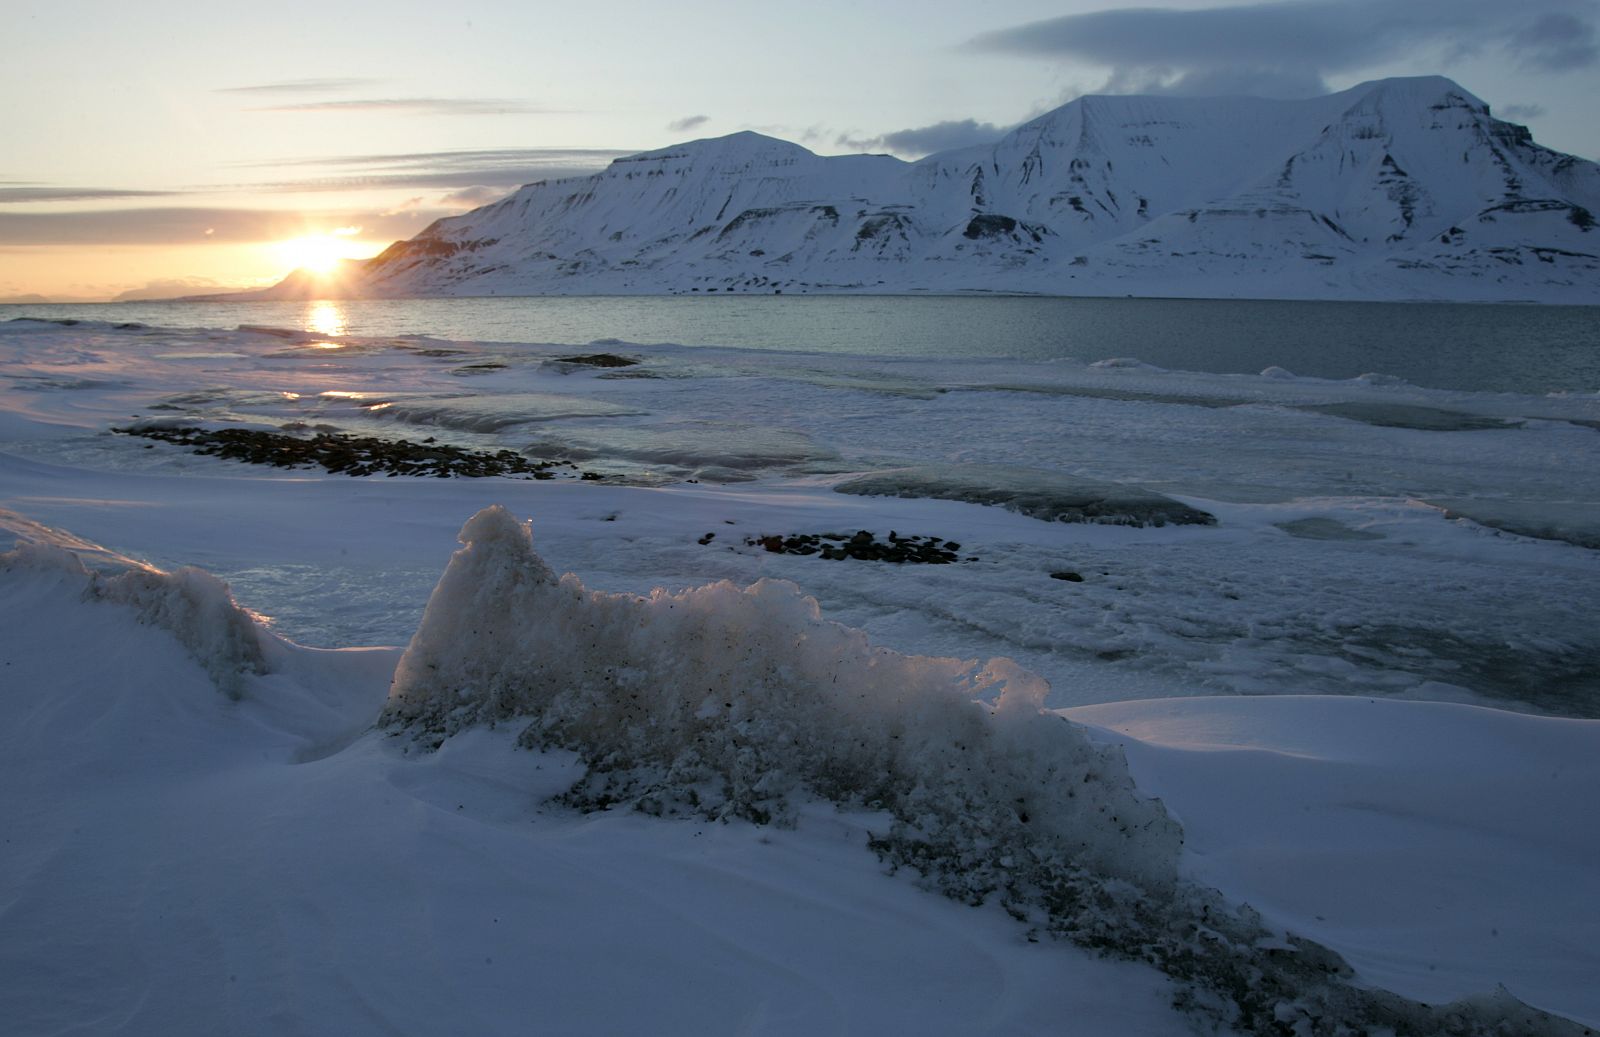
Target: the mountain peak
(1394, 189)
(1415, 88)
(743, 145)
(1422, 92)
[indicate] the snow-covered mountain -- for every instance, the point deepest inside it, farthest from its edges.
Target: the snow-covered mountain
(1401, 188)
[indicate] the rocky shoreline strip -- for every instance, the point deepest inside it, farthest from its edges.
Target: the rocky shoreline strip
(350, 455)
(861, 546)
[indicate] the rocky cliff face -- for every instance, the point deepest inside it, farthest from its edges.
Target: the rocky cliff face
(1402, 188)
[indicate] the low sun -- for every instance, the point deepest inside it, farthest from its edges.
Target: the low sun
(318, 253)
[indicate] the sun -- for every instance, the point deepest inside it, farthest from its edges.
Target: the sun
(320, 254)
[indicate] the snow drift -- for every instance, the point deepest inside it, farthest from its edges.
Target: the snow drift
(191, 604)
(729, 702)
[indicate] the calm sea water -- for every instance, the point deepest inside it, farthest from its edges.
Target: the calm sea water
(1532, 349)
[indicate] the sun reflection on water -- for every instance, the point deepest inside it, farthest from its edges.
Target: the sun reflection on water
(326, 318)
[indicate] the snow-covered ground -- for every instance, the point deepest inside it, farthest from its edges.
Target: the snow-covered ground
(1361, 691)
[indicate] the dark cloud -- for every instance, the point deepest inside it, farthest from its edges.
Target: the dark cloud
(1522, 111)
(687, 123)
(1556, 42)
(416, 106)
(925, 140)
(1286, 47)
(36, 193)
(300, 86)
(200, 226)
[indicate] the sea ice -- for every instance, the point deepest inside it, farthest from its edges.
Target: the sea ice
(499, 411)
(1574, 522)
(1409, 416)
(1040, 494)
(714, 451)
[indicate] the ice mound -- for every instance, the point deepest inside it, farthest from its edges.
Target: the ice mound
(1047, 495)
(730, 702)
(191, 604)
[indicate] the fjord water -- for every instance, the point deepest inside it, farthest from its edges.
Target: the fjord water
(1473, 347)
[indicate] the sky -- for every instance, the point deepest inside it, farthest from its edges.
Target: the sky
(173, 147)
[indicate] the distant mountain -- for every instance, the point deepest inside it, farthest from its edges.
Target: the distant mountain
(1396, 189)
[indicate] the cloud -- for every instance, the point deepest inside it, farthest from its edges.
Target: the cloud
(458, 158)
(37, 193)
(467, 178)
(200, 226)
(687, 123)
(1556, 42)
(416, 106)
(1526, 112)
(1287, 48)
(299, 86)
(480, 169)
(472, 197)
(925, 140)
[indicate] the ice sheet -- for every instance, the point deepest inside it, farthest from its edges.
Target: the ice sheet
(1408, 603)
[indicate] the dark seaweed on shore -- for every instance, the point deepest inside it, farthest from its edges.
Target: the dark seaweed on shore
(862, 546)
(345, 454)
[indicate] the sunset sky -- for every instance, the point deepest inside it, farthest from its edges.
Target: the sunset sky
(171, 147)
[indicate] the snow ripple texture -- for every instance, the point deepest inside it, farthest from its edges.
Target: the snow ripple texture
(728, 702)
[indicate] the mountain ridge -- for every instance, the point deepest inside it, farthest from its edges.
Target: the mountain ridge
(1394, 189)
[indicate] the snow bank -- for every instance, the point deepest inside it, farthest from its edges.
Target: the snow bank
(191, 604)
(728, 702)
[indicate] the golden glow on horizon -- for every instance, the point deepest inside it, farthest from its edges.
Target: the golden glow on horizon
(320, 253)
